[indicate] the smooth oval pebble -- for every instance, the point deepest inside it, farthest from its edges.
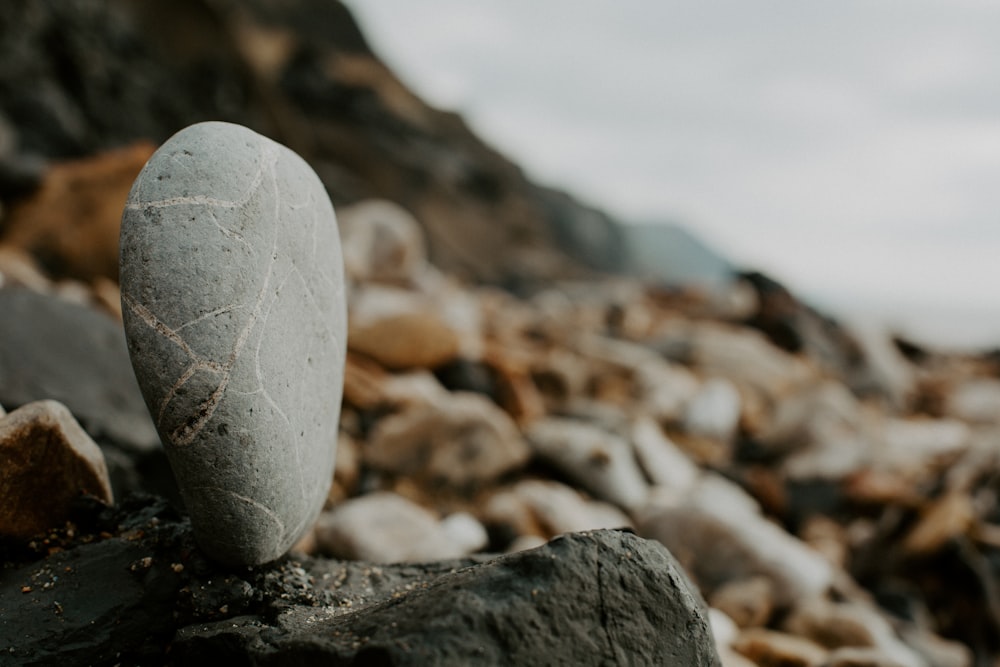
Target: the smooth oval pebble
(234, 309)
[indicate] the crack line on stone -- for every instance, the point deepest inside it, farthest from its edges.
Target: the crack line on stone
(161, 327)
(213, 313)
(181, 381)
(254, 503)
(229, 233)
(602, 608)
(188, 431)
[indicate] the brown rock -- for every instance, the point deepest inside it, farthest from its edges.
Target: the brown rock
(406, 341)
(71, 223)
(48, 460)
(945, 518)
(364, 382)
(830, 624)
(461, 441)
(749, 602)
(768, 648)
(851, 656)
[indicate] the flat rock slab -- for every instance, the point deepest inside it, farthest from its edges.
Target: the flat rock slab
(53, 349)
(145, 595)
(234, 310)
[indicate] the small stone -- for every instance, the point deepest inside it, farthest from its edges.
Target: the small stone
(386, 528)
(976, 401)
(922, 443)
(549, 508)
(234, 309)
(663, 462)
(382, 243)
(714, 412)
(465, 531)
(19, 269)
(937, 651)
(718, 534)
(768, 648)
(461, 440)
(945, 518)
(600, 461)
(406, 341)
(829, 624)
(746, 358)
(48, 460)
(724, 629)
(854, 656)
(748, 602)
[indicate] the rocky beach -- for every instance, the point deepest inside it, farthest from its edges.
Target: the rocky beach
(549, 450)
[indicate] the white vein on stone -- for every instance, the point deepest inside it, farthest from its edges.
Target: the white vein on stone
(203, 200)
(189, 430)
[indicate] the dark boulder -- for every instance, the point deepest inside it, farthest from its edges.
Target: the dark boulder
(128, 585)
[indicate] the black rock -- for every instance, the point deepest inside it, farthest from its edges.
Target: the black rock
(146, 595)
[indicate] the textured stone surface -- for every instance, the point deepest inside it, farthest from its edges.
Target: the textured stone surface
(51, 349)
(48, 461)
(129, 588)
(587, 599)
(232, 292)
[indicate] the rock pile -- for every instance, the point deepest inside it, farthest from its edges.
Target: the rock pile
(834, 496)
(823, 526)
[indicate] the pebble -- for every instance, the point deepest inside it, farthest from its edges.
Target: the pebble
(768, 648)
(976, 400)
(854, 656)
(462, 441)
(714, 412)
(48, 461)
(234, 309)
(599, 461)
(406, 341)
(548, 508)
(384, 527)
(464, 530)
(382, 243)
(829, 623)
(717, 532)
(746, 358)
(748, 602)
(664, 463)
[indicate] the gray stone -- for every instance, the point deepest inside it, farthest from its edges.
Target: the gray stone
(232, 296)
(51, 349)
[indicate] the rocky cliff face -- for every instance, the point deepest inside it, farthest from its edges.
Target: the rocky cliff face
(78, 77)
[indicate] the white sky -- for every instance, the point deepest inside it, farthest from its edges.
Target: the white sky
(850, 148)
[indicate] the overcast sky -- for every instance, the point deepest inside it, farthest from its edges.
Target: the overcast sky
(850, 148)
